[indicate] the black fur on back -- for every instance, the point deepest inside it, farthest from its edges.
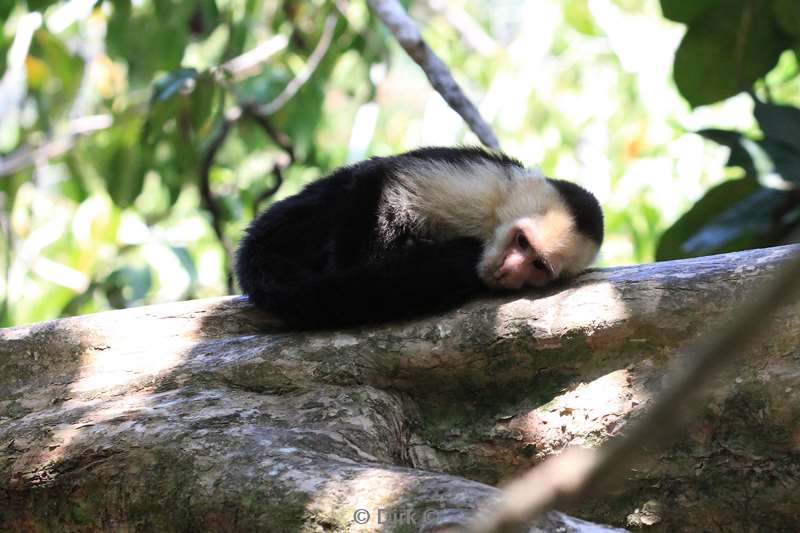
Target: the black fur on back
(317, 259)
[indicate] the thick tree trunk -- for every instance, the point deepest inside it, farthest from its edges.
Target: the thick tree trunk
(197, 416)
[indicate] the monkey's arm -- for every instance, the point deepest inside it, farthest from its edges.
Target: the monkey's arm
(423, 278)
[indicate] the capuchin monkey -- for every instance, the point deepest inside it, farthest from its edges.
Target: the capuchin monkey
(394, 237)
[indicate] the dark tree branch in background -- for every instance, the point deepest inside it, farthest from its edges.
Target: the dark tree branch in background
(253, 112)
(277, 173)
(404, 29)
(208, 200)
(259, 114)
(578, 473)
(280, 139)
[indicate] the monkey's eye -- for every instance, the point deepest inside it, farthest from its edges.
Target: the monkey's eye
(522, 242)
(540, 265)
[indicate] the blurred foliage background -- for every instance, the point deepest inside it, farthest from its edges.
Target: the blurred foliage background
(139, 137)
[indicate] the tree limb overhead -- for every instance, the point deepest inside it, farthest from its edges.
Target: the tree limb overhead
(394, 16)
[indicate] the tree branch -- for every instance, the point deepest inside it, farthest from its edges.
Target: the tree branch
(54, 147)
(246, 64)
(259, 114)
(306, 72)
(254, 112)
(395, 18)
(208, 200)
(214, 143)
(129, 415)
(578, 473)
(239, 67)
(280, 139)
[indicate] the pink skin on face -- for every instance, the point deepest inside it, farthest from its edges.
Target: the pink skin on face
(521, 263)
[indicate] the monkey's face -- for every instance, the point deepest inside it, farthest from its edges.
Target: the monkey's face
(535, 250)
(535, 239)
(512, 260)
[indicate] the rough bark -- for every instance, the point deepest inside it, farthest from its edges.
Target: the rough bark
(198, 416)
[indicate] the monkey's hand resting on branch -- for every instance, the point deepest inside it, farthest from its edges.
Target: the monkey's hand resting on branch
(393, 237)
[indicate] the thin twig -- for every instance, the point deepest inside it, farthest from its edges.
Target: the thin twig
(395, 18)
(209, 201)
(578, 473)
(259, 114)
(280, 139)
(25, 156)
(54, 147)
(247, 63)
(305, 73)
(277, 172)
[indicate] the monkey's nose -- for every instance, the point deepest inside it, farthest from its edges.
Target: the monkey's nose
(513, 262)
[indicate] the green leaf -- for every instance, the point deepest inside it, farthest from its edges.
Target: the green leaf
(740, 155)
(779, 123)
(174, 183)
(165, 103)
(186, 260)
(127, 285)
(6, 7)
(157, 118)
(785, 159)
(787, 13)
(301, 116)
(168, 85)
(685, 10)
(578, 15)
(186, 154)
(204, 96)
(9, 185)
(715, 202)
(74, 186)
(63, 65)
(240, 28)
(204, 18)
(118, 158)
(725, 50)
(125, 175)
(38, 5)
(146, 42)
(749, 223)
(35, 310)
